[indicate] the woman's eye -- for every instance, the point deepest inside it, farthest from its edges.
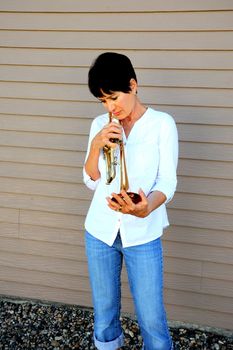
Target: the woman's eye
(112, 98)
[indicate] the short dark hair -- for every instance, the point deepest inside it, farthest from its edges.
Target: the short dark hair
(110, 72)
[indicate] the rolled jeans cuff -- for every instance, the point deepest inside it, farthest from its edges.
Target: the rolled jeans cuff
(110, 345)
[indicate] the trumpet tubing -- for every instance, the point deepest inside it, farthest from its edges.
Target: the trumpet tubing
(110, 159)
(111, 163)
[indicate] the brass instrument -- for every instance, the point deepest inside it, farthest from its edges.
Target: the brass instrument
(111, 163)
(110, 158)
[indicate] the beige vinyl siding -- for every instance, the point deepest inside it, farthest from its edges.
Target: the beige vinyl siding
(183, 54)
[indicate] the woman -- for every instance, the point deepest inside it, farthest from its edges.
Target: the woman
(117, 229)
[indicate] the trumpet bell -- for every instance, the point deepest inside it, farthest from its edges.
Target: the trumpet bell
(135, 197)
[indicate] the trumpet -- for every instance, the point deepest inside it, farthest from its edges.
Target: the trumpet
(111, 164)
(110, 158)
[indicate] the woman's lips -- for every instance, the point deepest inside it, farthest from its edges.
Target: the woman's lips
(116, 114)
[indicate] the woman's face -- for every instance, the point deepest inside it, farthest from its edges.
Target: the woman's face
(119, 103)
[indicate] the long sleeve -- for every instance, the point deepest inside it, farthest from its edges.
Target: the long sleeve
(89, 182)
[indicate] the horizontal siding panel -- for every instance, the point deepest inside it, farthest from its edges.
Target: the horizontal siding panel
(182, 282)
(44, 203)
(200, 317)
(49, 108)
(182, 96)
(198, 268)
(199, 115)
(9, 229)
(50, 234)
(66, 75)
(195, 235)
(217, 287)
(192, 251)
(77, 126)
(45, 279)
(213, 270)
(45, 188)
(43, 249)
(203, 203)
(40, 156)
(118, 40)
(185, 78)
(197, 285)
(144, 21)
(183, 266)
(205, 168)
(147, 77)
(38, 292)
(55, 220)
(64, 92)
(44, 140)
(119, 6)
(140, 59)
(206, 151)
(210, 186)
(44, 264)
(206, 133)
(200, 219)
(199, 301)
(41, 172)
(8, 215)
(163, 95)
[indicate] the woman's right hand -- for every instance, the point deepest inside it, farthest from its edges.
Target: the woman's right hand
(110, 131)
(102, 138)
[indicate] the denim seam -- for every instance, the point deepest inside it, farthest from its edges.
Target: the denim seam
(162, 295)
(118, 296)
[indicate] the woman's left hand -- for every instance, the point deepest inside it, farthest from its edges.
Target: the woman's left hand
(126, 206)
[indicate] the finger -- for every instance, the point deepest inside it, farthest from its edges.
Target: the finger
(111, 144)
(119, 199)
(113, 135)
(127, 200)
(115, 124)
(113, 205)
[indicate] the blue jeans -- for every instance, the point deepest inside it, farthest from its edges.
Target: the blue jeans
(144, 264)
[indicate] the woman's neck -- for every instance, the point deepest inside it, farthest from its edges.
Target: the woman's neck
(129, 121)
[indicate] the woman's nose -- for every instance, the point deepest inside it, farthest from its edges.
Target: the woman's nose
(110, 106)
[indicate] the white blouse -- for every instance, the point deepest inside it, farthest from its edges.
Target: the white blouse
(151, 152)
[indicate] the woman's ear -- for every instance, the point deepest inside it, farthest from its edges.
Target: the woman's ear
(133, 86)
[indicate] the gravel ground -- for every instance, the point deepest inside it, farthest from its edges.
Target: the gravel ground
(28, 326)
